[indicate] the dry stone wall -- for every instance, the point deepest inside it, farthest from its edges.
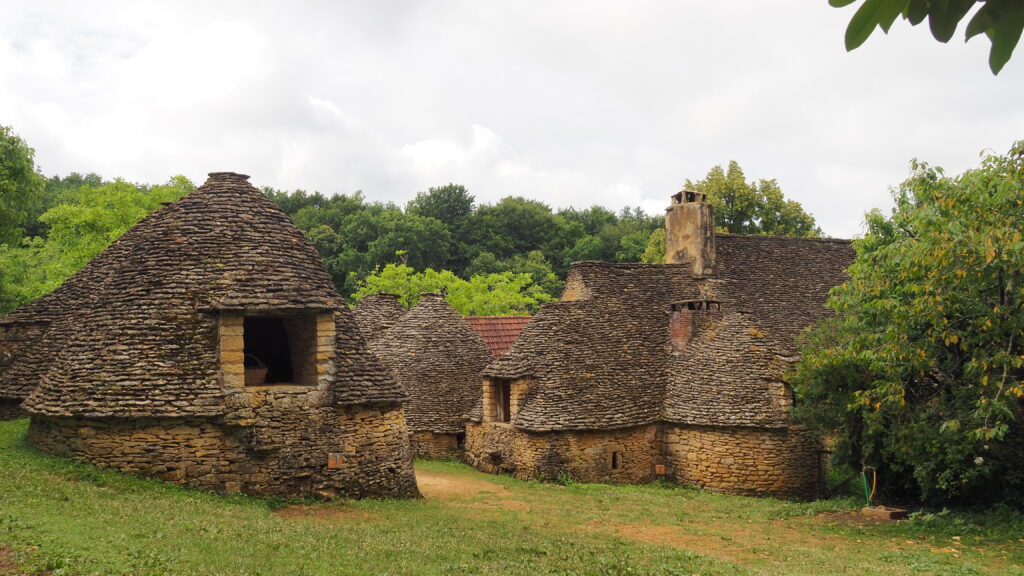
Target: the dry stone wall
(320, 452)
(748, 461)
(627, 455)
(433, 445)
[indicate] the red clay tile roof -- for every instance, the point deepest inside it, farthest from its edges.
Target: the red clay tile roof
(498, 332)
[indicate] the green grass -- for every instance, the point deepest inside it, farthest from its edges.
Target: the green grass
(69, 518)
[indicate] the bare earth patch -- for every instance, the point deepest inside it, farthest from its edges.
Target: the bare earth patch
(7, 565)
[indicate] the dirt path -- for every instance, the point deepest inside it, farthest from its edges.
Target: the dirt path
(467, 491)
(447, 487)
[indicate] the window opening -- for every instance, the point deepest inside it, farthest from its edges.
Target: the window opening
(503, 388)
(267, 348)
(616, 460)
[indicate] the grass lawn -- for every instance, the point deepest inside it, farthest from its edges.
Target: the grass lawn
(63, 517)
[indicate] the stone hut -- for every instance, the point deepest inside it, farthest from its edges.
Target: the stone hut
(437, 358)
(677, 370)
(498, 332)
(213, 350)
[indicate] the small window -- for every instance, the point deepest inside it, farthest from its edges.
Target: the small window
(616, 460)
(503, 399)
(279, 350)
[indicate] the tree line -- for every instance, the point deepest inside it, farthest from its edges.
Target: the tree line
(517, 247)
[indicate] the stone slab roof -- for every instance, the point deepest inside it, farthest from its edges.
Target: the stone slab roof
(437, 358)
(724, 377)
(598, 361)
(783, 282)
(376, 313)
(498, 332)
(145, 344)
(33, 357)
(601, 358)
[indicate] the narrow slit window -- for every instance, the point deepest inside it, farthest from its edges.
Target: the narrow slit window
(616, 460)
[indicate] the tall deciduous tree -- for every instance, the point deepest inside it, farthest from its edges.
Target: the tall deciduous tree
(743, 207)
(20, 184)
(921, 373)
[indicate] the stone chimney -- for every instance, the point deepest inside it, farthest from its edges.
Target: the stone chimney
(690, 232)
(688, 317)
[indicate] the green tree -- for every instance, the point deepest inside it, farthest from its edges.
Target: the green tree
(632, 246)
(451, 204)
(533, 263)
(743, 207)
(90, 219)
(1000, 20)
(20, 185)
(515, 225)
(920, 373)
(503, 293)
(654, 253)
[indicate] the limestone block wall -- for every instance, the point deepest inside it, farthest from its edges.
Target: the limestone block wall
(11, 410)
(748, 461)
(627, 455)
(321, 452)
(433, 445)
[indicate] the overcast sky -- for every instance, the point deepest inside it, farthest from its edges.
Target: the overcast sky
(571, 103)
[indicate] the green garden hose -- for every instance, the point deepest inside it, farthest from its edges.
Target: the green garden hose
(869, 496)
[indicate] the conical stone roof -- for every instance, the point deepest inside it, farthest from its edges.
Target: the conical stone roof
(147, 342)
(437, 358)
(377, 313)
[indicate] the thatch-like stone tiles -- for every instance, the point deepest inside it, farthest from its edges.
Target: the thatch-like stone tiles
(437, 358)
(603, 358)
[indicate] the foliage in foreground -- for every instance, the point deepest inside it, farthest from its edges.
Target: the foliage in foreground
(920, 374)
(1000, 20)
(69, 519)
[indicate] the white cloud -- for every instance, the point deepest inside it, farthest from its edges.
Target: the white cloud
(570, 102)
